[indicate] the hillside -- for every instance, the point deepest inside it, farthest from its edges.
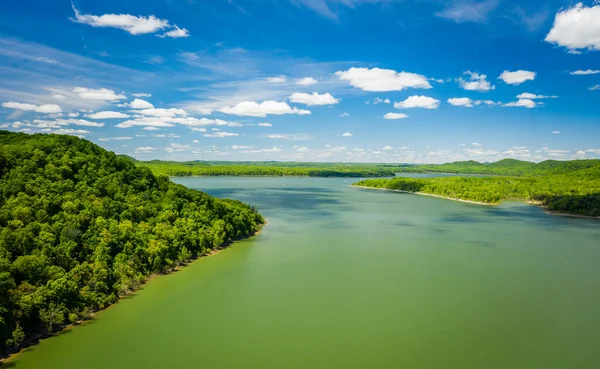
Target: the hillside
(567, 187)
(81, 226)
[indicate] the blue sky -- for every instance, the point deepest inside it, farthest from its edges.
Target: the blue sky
(417, 81)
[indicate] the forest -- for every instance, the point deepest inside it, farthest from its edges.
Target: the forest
(81, 227)
(571, 187)
(203, 168)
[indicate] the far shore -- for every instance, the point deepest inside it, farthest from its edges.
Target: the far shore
(532, 202)
(6, 360)
(428, 194)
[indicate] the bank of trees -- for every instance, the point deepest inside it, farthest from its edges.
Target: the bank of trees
(265, 169)
(80, 226)
(569, 187)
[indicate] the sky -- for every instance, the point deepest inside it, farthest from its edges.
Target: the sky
(396, 81)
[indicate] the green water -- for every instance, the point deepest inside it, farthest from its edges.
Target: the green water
(350, 278)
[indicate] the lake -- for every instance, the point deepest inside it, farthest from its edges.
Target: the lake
(350, 278)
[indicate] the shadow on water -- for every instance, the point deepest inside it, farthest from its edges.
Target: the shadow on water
(296, 202)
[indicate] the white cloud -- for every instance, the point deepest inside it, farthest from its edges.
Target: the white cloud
(107, 115)
(254, 109)
(303, 149)
(594, 88)
(141, 94)
(387, 147)
(313, 99)
(576, 28)
(145, 122)
(144, 149)
(220, 134)
(517, 77)
(69, 131)
(527, 95)
(585, 72)
(306, 81)
(264, 125)
(280, 79)
(43, 109)
(199, 129)
(162, 113)
(347, 134)
(121, 138)
(73, 115)
(468, 10)
(555, 132)
(135, 25)
(345, 115)
(99, 94)
(476, 144)
(525, 103)
(287, 136)
(238, 147)
(416, 101)
(58, 96)
(395, 116)
(377, 79)
(475, 82)
(176, 33)
(461, 101)
(140, 104)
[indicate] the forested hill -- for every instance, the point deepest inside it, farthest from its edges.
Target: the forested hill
(81, 226)
(205, 168)
(505, 167)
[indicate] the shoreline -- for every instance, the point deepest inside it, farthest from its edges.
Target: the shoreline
(530, 202)
(7, 359)
(428, 194)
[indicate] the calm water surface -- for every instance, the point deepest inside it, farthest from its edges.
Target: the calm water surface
(350, 278)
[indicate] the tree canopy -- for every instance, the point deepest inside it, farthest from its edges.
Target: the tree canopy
(81, 226)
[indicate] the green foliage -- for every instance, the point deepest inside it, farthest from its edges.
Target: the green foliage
(199, 168)
(81, 226)
(568, 187)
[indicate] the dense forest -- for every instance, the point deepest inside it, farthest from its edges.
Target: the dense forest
(568, 187)
(202, 168)
(81, 226)
(505, 167)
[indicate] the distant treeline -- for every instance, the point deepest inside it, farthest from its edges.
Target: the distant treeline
(569, 187)
(81, 226)
(275, 169)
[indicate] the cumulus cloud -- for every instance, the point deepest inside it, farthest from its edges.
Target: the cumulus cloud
(585, 72)
(461, 101)
(220, 134)
(135, 25)
(176, 33)
(313, 99)
(162, 113)
(43, 109)
(395, 116)
(594, 88)
(141, 94)
(107, 115)
(517, 77)
(527, 95)
(280, 79)
(576, 28)
(345, 115)
(306, 81)
(121, 138)
(474, 82)
(144, 149)
(416, 101)
(269, 107)
(377, 79)
(468, 10)
(287, 136)
(140, 104)
(525, 103)
(99, 94)
(555, 132)
(347, 134)
(264, 125)
(58, 96)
